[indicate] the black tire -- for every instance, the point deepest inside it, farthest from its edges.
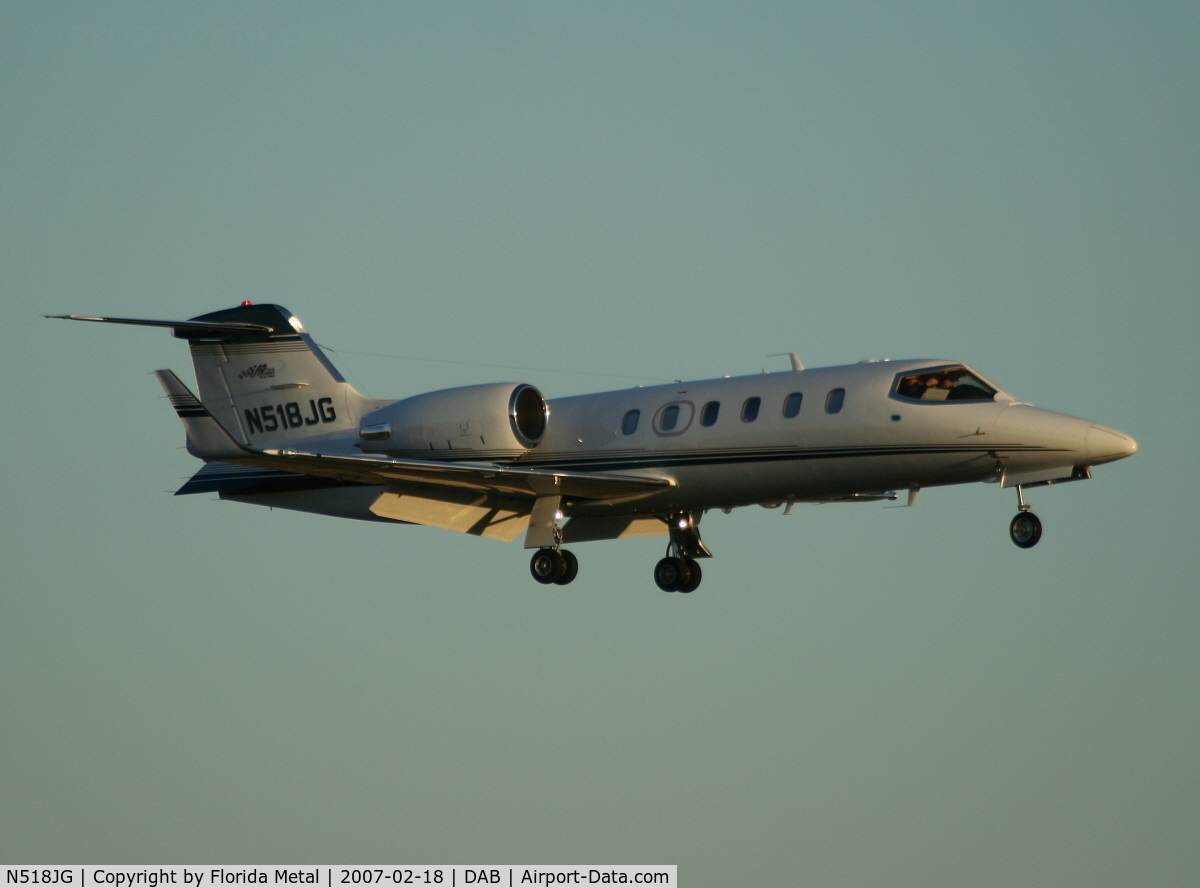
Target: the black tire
(570, 569)
(694, 576)
(547, 566)
(1025, 530)
(671, 573)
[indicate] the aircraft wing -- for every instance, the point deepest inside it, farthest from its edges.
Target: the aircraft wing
(483, 477)
(209, 440)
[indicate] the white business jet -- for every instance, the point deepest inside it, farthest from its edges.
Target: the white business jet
(277, 425)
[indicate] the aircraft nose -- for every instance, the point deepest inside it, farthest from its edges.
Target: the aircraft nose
(1106, 445)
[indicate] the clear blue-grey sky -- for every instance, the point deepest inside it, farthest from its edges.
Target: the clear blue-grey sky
(657, 190)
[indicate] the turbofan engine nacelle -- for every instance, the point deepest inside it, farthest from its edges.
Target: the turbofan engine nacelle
(497, 419)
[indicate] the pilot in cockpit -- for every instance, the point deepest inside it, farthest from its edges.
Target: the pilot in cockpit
(938, 389)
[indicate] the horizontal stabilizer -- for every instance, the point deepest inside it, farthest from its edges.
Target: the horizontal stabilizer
(193, 328)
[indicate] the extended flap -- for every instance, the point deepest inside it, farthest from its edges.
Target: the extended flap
(463, 510)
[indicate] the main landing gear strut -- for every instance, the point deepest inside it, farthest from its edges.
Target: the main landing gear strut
(1026, 527)
(679, 572)
(551, 563)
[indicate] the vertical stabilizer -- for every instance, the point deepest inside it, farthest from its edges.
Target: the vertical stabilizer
(269, 389)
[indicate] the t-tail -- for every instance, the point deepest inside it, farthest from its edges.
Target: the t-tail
(271, 389)
(261, 376)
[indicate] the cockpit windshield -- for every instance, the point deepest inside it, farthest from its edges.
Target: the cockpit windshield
(951, 383)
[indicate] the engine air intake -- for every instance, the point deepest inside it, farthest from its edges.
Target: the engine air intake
(528, 411)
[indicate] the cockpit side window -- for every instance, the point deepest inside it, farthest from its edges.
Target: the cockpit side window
(954, 383)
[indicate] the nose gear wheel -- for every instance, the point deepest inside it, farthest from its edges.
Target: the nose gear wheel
(1025, 530)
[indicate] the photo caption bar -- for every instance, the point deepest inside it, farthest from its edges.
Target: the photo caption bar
(507, 875)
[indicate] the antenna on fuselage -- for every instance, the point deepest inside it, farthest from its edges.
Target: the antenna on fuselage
(793, 357)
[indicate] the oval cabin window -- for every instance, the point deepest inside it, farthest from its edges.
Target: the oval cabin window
(629, 423)
(750, 409)
(834, 400)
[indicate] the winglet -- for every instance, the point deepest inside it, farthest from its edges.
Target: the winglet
(206, 438)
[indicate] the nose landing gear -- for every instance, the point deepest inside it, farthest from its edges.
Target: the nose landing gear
(1026, 528)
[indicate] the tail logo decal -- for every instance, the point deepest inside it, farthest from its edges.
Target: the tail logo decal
(258, 371)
